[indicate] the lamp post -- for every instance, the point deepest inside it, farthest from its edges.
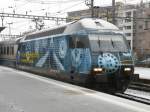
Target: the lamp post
(10, 27)
(90, 4)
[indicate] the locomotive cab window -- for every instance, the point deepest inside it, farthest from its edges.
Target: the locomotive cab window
(78, 41)
(113, 43)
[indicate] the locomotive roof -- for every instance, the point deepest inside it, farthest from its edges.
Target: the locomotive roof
(73, 27)
(97, 24)
(88, 24)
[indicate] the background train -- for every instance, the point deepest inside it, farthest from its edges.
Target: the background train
(88, 51)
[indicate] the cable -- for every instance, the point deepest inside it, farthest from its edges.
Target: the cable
(134, 18)
(71, 6)
(52, 2)
(56, 13)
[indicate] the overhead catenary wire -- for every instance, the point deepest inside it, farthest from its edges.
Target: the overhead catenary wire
(59, 12)
(45, 8)
(133, 18)
(52, 1)
(68, 8)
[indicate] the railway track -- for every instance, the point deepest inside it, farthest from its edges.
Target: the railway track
(134, 98)
(138, 92)
(140, 86)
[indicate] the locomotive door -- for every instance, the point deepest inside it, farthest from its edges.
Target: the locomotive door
(74, 54)
(79, 43)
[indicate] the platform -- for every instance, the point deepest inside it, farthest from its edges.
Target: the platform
(26, 92)
(144, 73)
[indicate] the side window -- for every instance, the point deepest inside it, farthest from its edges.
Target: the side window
(72, 42)
(4, 50)
(7, 50)
(0, 50)
(12, 49)
(78, 41)
(82, 41)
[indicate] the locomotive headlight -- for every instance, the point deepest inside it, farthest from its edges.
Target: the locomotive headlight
(98, 69)
(127, 69)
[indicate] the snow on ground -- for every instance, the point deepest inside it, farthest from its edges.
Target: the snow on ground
(144, 73)
(142, 94)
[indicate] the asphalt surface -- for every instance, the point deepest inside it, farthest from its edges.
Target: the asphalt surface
(26, 92)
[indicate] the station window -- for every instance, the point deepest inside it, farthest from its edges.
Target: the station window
(127, 27)
(121, 28)
(128, 34)
(146, 25)
(128, 20)
(128, 14)
(140, 26)
(129, 42)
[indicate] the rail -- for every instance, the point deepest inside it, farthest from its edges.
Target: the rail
(140, 86)
(134, 98)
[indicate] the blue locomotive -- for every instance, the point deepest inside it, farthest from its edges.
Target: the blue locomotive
(88, 51)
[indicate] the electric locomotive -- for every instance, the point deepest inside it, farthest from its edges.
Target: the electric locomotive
(88, 51)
